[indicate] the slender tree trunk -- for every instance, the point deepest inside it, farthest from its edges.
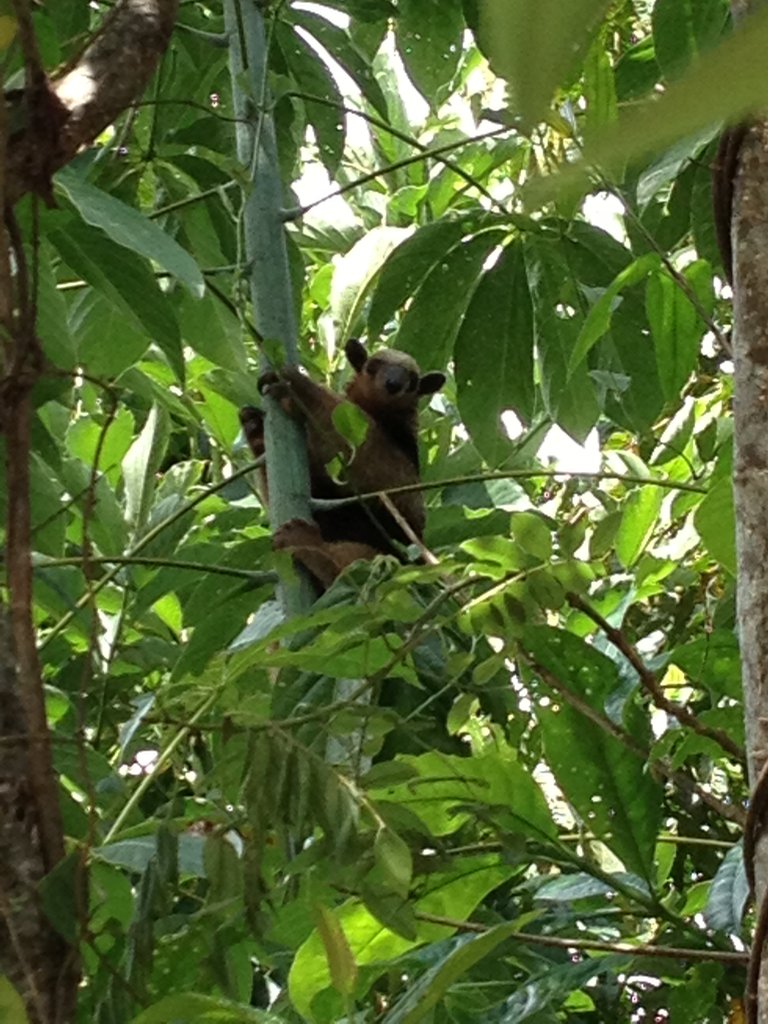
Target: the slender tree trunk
(270, 281)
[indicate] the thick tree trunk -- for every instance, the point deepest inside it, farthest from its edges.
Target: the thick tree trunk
(750, 340)
(33, 956)
(59, 117)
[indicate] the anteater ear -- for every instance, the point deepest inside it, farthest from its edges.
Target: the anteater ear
(431, 382)
(356, 353)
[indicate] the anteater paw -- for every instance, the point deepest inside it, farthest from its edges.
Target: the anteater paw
(270, 383)
(252, 422)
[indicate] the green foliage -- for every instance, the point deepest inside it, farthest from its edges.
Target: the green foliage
(533, 766)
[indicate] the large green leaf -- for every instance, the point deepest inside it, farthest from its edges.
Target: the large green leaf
(677, 327)
(729, 894)
(684, 29)
(422, 997)
(432, 321)
(203, 1009)
(690, 104)
(494, 354)
(126, 282)
(716, 523)
(130, 228)
(370, 942)
(638, 520)
(598, 320)
(343, 51)
(313, 77)
(429, 40)
(536, 45)
(140, 465)
(446, 782)
(570, 400)
(407, 267)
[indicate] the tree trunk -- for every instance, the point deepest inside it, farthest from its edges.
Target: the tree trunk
(749, 238)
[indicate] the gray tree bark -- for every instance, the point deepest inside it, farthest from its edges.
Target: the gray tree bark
(749, 244)
(749, 238)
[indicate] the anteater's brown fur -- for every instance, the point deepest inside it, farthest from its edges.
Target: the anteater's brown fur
(387, 387)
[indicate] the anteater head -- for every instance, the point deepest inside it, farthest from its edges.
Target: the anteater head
(388, 383)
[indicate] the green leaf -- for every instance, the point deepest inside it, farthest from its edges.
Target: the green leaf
(223, 869)
(124, 280)
(341, 963)
(371, 943)
(11, 1005)
(494, 354)
(140, 466)
(692, 103)
(202, 1009)
(429, 41)
(533, 535)
(716, 523)
(598, 320)
(713, 661)
(599, 88)
(428, 990)
(339, 44)
(221, 625)
(447, 782)
(729, 894)
(638, 521)
(393, 858)
(536, 45)
(313, 77)
(85, 438)
(213, 330)
(554, 985)
(130, 228)
(433, 319)
(390, 909)
(407, 267)
(52, 315)
(351, 422)
(608, 785)
(677, 330)
(355, 273)
(684, 29)
(570, 400)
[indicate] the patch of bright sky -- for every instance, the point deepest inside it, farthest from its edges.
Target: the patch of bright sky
(603, 210)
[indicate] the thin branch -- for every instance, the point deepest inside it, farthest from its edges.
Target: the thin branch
(143, 542)
(596, 717)
(650, 682)
(249, 575)
(327, 504)
(409, 140)
(555, 942)
(680, 279)
(436, 152)
(678, 778)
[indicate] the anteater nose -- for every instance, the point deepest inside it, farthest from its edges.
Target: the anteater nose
(396, 380)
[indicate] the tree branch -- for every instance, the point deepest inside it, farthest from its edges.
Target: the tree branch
(89, 94)
(650, 682)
